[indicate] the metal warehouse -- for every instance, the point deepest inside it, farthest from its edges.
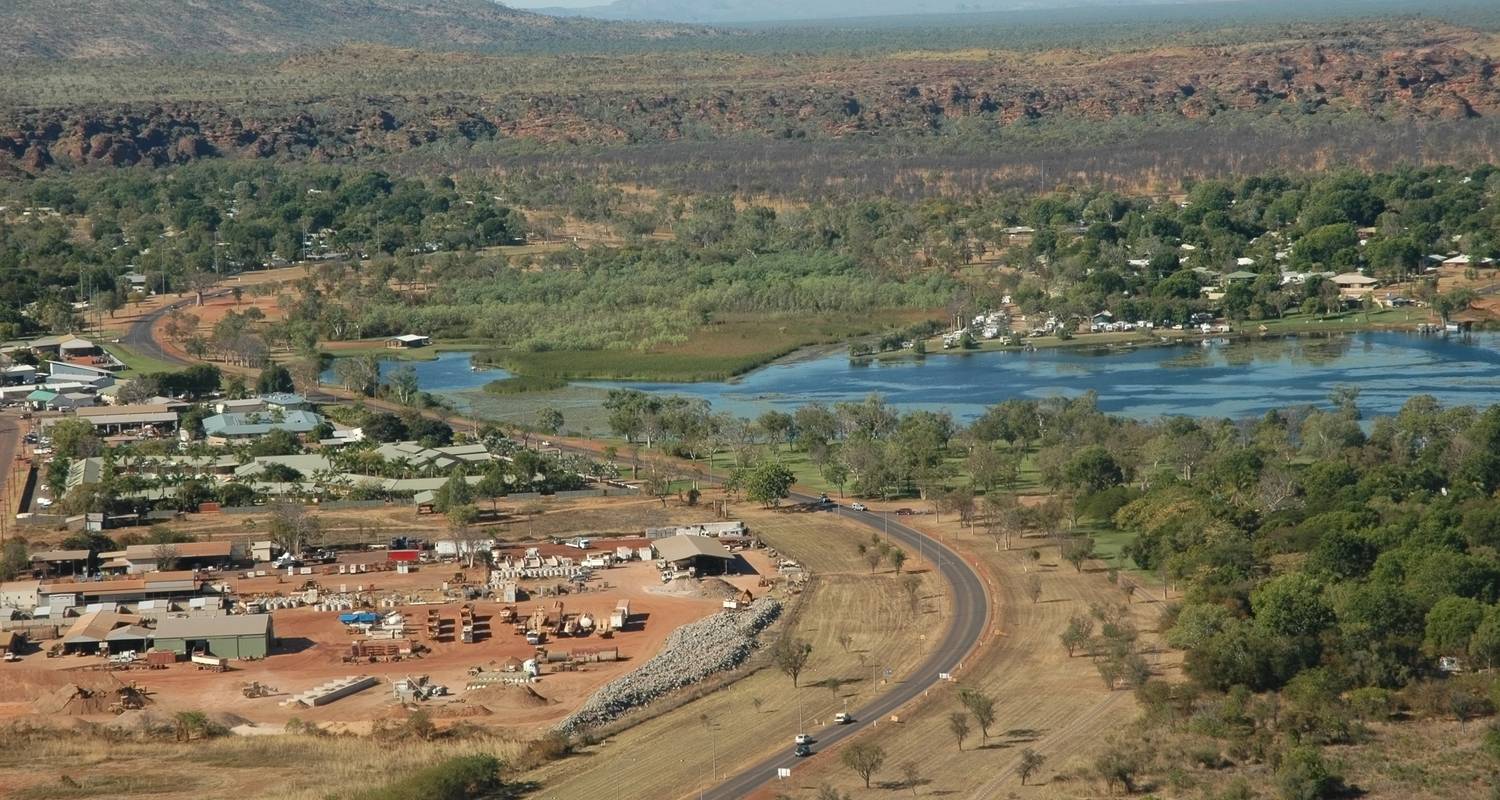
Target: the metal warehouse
(239, 636)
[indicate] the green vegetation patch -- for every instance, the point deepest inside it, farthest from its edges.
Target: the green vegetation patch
(717, 351)
(523, 384)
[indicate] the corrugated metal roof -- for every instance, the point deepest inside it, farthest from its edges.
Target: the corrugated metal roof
(209, 627)
(260, 423)
(676, 548)
(60, 555)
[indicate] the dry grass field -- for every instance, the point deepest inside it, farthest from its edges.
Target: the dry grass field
(1044, 699)
(76, 766)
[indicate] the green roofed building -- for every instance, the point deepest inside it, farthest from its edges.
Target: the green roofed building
(235, 425)
(234, 636)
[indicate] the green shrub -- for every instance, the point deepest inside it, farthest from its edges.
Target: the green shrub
(1303, 775)
(460, 778)
(521, 384)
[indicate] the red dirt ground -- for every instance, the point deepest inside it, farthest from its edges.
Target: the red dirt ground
(312, 644)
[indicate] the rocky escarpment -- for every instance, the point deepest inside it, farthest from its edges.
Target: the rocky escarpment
(879, 96)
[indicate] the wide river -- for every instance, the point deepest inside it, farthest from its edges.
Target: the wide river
(1236, 378)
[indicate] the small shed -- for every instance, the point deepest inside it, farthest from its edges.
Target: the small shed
(407, 340)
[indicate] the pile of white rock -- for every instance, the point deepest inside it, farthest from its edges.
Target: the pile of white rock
(693, 652)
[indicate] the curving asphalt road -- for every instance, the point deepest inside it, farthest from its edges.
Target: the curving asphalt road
(967, 625)
(138, 337)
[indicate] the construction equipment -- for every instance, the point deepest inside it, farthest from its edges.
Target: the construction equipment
(466, 623)
(128, 698)
(255, 689)
(419, 688)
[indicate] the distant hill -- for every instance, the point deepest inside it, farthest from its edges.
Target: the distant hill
(112, 28)
(736, 11)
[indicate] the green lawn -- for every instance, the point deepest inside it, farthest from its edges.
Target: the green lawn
(137, 364)
(1347, 321)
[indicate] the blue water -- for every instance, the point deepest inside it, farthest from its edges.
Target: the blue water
(1235, 379)
(449, 372)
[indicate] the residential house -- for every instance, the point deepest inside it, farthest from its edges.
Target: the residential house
(1354, 284)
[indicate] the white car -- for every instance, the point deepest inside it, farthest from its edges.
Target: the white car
(802, 738)
(858, 507)
(842, 718)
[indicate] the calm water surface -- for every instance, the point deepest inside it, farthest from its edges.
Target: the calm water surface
(450, 372)
(1234, 379)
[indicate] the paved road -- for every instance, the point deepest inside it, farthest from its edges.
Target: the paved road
(138, 336)
(10, 445)
(967, 624)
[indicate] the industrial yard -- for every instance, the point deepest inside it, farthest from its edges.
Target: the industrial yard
(889, 635)
(490, 646)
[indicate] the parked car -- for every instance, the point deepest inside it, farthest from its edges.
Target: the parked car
(858, 507)
(904, 512)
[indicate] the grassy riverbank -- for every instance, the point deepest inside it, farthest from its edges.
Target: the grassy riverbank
(728, 346)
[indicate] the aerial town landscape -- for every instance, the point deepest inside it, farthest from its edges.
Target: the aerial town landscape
(409, 399)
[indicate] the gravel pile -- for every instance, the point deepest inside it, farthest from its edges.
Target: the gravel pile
(692, 653)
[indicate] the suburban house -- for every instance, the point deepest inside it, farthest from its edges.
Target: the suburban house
(1353, 283)
(238, 426)
(51, 400)
(1468, 261)
(279, 401)
(407, 340)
